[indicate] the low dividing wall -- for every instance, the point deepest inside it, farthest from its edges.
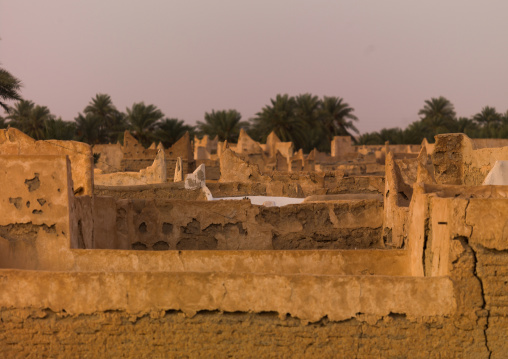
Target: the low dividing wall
(310, 183)
(216, 334)
(457, 160)
(99, 303)
(337, 297)
(15, 142)
(236, 224)
(158, 190)
(138, 164)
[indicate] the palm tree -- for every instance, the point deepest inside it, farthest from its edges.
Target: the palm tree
(280, 118)
(20, 112)
(467, 126)
(370, 138)
(336, 118)
(142, 120)
(307, 107)
(438, 115)
(3, 124)
(57, 129)
(88, 129)
(170, 130)
(225, 123)
(416, 132)
(488, 117)
(111, 121)
(9, 87)
(30, 118)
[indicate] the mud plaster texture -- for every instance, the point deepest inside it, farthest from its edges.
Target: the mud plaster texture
(160, 191)
(238, 335)
(458, 159)
(15, 142)
(136, 158)
(155, 173)
(447, 298)
(236, 225)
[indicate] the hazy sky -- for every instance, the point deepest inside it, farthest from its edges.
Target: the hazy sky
(187, 57)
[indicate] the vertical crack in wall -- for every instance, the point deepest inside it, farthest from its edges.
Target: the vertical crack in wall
(224, 295)
(426, 231)
(426, 257)
(466, 245)
(475, 272)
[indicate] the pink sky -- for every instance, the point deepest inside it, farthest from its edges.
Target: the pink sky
(187, 57)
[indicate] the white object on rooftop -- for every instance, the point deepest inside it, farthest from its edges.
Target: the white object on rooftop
(260, 200)
(498, 175)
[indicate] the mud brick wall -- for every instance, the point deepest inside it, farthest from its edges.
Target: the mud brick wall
(233, 189)
(238, 335)
(237, 224)
(356, 184)
(15, 142)
(341, 225)
(212, 168)
(457, 160)
(492, 269)
(35, 197)
(137, 164)
(330, 182)
(169, 190)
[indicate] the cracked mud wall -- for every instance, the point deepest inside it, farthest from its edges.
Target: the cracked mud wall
(488, 220)
(236, 225)
(35, 200)
(465, 237)
(215, 334)
(15, 142)
(460, 313)
(458, 159)
(155, 173)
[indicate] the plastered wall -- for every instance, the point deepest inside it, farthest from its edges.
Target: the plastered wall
(15, 142)
(457, 160)
(453, 304)
(236, 225)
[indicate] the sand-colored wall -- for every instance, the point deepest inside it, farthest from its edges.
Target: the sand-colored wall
(169, 190)
(456, 309)
(235, 169)
(110, 159)
(236, 335)
(36, 204)
(15, 142)
(156, 173)
(341, 146)
(205, 147)
(457, 160)
(237, 225)
(136, 157)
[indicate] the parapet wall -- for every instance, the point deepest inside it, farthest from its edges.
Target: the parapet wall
(457, 160)
(443, 295)
(36, 202)
(138, 164)
(236, 225)
(15, 142)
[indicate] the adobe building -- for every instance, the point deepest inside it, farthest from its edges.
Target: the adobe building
(412, 263)
(133, 157)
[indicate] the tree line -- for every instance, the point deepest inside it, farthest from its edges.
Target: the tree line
(306, 120)
(438, 116)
